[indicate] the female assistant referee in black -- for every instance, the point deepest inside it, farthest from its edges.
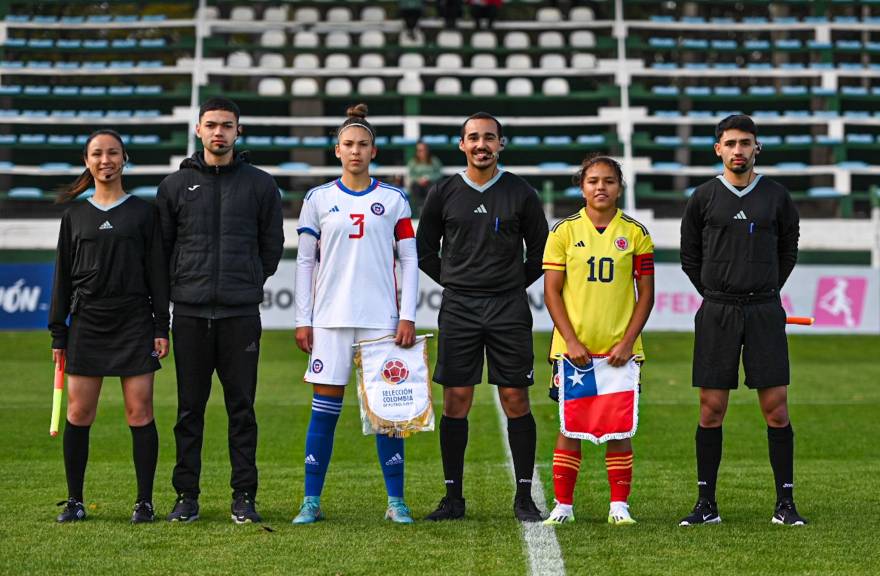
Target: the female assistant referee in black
(111, 280)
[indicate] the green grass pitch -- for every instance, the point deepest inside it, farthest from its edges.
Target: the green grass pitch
(835, 404)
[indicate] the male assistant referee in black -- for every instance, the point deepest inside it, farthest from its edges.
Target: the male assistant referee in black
(470, 241)
(222, 228)
(739, 244)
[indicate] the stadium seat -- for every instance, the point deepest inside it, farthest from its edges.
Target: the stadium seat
(242, 14)
(10, 89)
(338, 87)
(32, 139)
(410, 85)
(411, 61)
(152, 42)
(8, 138)
(316, 141)
(548, 14)
(824, 192)
(519, 87)
(276, 13)
(484, 61)
(526, 140)
(65, 90)
(286, 140)
(239, 60)
(484, 87)
(337, 61)
(144, 191)
(273, 39)
(555, 87)
(305, 39)
(68, 44)
(371, 86)
(562, 140)
(449, 39)
(258, 140)
(449, 61)
(338, 15)
(372, 39)
(551, 39)
(371, 61)
(304, 86)
(552, 62)
(518, 62)
(25, 193)
(583, 60)
(373, 14)
(484, 40)
(61, 139)
(516, 40)
(447, 86)
(272, 60)
(307, 15)
(306, 62)
(271, 87)
(582, 39)
(724, 44)
(36, 90)
(337, 39)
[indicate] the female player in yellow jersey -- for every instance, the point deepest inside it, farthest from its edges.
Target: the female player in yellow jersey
(599, 290)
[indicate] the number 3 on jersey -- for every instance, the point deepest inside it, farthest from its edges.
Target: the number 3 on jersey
(357, 220)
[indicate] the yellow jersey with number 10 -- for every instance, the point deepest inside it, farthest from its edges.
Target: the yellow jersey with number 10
(600, 269)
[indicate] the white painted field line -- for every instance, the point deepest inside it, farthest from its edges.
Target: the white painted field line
(542, 548)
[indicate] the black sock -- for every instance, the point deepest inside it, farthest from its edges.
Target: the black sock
(708, 460)
(521, 436)
(781, 444)
(453, 441)
(76, 455)
(145, 451)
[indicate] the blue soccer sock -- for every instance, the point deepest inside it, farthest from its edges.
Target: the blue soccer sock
(319, 441)
(390, 451)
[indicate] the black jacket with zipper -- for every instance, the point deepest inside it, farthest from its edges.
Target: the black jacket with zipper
(222, 232)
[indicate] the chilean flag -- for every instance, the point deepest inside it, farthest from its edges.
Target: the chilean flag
(598, 402)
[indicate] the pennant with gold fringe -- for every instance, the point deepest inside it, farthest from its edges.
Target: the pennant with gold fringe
(394, 387)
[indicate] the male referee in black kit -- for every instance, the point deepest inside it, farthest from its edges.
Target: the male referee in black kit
(739, 244)
(222, 228)
(482, 216)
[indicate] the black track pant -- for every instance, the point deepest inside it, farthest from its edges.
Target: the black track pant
(231, 346)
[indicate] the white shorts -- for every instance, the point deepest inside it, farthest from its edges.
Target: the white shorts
(332, 353)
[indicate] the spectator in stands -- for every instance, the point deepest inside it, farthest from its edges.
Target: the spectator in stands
(423, 170)
(450, 11)
(484, 10)
(410, 11)
(221, 225)
(110, 278)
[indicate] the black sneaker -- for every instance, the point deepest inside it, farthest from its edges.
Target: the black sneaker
(74, 511)
(705, 512)
(785, 514)
(449, 509)
(143, 512)
(243, 509)
(186, 509)
(525, 510)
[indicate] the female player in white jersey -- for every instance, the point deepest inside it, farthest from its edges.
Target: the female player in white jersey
(599, 290)
(355, 222)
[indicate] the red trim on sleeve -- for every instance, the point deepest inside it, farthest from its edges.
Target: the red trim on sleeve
(553, 264)
(643, 264)
(403, 229)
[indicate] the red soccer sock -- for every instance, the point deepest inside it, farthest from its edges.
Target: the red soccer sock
(566, 464)
(620, 472)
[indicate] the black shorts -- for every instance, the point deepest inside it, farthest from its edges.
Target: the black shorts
(499, 324)
(722, 330)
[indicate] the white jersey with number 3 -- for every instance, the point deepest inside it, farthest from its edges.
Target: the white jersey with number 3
(356, 230)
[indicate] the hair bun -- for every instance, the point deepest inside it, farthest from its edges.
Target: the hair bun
(357, 111)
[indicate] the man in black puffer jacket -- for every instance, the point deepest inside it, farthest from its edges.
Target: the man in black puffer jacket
(222, 229)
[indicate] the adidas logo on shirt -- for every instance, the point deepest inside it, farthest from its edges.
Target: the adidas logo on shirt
(580, 244)
(740, 216)
(334, 209)
(252, 347)
(311, 460)
(480, 210)
(106, 225)
(394, 460)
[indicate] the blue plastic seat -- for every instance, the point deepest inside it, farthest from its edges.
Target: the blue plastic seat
(286, 140)
(815, 19)
(56, 166)
(757, 44)
(303, 166)
(859, 114)
(144, 191)
(62, 114)
(45, 19)
(18, 18)
(854, 90)
(667, 113)
(435, 139)
(693, 19)
(39, 64)
(125, 18)
(145, 139)
(121, 90)
(664, 65)
(11, 64)
(35, 113)
(789, 44)
(762, 90)
(317, 141)
(771, 140)
(591, 139)
(725, 66)
(826, 140)
(848, 45)
(754, 20)
(822, 65)
(150, 64)
(81, 139)
(258, 140)
(700, 114)
(721, 20)
(696, 65)
(665, 90)
(796, 113)
(32, 139)
(95, 43)
(724, 44)
(99, 18)
(525, 140)
(121, 64)
(655, 42)
(36, 90)
(659, 18)
(666, 166)
(557, 140)
(824, 192)
(818, 45)
(148, 113)
(15, 42)
(701, 141)
(40, 43)
(381, 140)
(153, 17)
(152, 42)
(859, 138)
(794, 90)
(850, 66)
(144, 89)
(65, 90)
(791, 166)
(8, 138)
(73, 19)
(404, 140)
(553, 165)
(96, 64)
(10, 89)
(792, 66)
(822, 91)
(798, 139)
(695, 43)
(9, 112)
(728, 90)
(124, 43)
(93, 90)
(61, 65)
(668, 140)
(119, 113)
(90, 114)
(61, 139)
(573, 192)
(759, 66)
(25, 193)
